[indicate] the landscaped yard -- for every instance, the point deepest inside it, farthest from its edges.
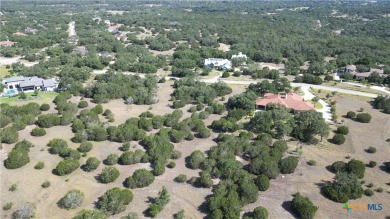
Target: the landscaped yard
(3, 72)
(317, 105)
(42, 97)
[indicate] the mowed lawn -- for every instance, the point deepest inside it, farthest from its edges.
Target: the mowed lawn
(3, 72)
(43, 97)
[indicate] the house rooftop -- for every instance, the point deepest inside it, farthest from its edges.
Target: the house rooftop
(14, 79)
(289, 100)
(7, 43)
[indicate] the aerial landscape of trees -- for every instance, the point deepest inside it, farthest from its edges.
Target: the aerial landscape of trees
(137, 113)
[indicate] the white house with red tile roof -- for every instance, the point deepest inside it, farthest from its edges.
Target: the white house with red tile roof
(290, 100)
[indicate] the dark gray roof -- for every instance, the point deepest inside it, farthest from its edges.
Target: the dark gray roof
(14, 79)
(49, 82)
(31, 81)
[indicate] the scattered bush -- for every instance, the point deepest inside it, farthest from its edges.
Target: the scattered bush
(38, 132)
(371, 150)
(91, 164)
(140, 178)
(379, 189)
(130, 215)
(356, 167)
(85, 147)
(71, 200)
(45, 184)
(111, 159)
(126, 146)
(176, 154)
(288, 164)
(372, 164)
(8, 206)
(171, 165)
(370, 185)
(89, 214)
(44, 107)
(9, 135)
(351, 115)
(66, 166)
(343, 130)
(195, 159)
(179, 215)
(180, 178)
(39, 165)
(368, 192)
(114, 201)
(338, 139)
(363, 117)
(262, 182)
(13, 187)
(108, 174)
(260, 213)
(25, 211)
(312, 163)
(303, 206)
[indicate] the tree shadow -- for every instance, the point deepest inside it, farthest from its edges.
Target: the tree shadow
(203, 208)
(287, 206)
(322, 185)
(329, 168)
(385, 167)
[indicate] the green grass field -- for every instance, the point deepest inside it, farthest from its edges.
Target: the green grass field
(3, 72)
(317, 105)
(42, 97)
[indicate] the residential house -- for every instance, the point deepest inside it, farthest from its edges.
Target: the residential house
(21, 83)
(81, 50)
(7, 43)
(30, 30)
(290, 100)
(240, 55)
(362, 75)
(223, 64)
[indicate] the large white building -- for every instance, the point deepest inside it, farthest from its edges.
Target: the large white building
(21, 83)
(224, 64)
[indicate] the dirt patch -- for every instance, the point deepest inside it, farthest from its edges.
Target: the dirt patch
(224, 47)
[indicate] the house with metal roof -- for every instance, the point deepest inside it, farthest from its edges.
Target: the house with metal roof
(21, 83)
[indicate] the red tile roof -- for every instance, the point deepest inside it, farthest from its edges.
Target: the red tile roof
(290, 100)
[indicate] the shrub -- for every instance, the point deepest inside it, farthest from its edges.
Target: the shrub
(66, 166)
(71, 200)
(130, 157)
(338, 139)
(9, 135)
(85, 147)
(370, 185)
(339, 166)
(171, 165)
(126, 146)
(140, 178)
(379, 189)
(371, 150)
(288, 164)
(225, 74)
(108, 174)
(312, 163)
(13, 187)
(363, 117)
(368, 192)
(17, 158)
(111, 159)
(39, 165)
(195, 159)
(179, 215)
(48, 120)
(351, 115)
(130, 215)
(180, 178)
(45, 184)
(204, 115)
(114, 201)
(372, 164)
(91, 164)
(98, 109)
(89, 214)
(303, 206)
(356, 167)
(343, 130)
(262, 182)
(8, 206)
(44, 107)
(260, 213)
(82, 104)
(57, 145)
(25, 211)
(176, 154)
(38, 132)
(154, 210)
